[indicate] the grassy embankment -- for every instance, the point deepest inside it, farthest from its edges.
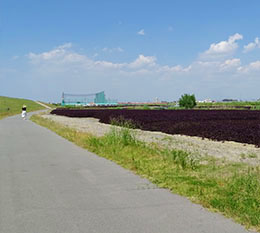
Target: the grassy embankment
(230, 188)
(12, 106)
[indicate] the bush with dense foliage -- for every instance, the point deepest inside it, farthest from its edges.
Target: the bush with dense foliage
(187, 101)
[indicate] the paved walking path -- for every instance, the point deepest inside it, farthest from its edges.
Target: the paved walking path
(49, 185)
(42, 104)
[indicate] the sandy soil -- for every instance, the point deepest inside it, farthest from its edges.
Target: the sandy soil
(232, 151)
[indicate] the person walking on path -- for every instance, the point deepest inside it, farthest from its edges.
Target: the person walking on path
(24, 112)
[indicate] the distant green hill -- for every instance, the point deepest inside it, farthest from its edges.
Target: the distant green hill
(12, 106)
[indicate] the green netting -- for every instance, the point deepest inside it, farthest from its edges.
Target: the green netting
(86, 99)
(100, 98)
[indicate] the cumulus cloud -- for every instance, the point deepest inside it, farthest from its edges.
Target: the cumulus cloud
(71, 70)
(255, 65)
(64, 59)
(231, 63)
(107, 64)
(66, 62)
(174, 69)
(251, 46)
(141, 32)
(223, 48)
(143, 61)
(111, 50)
(250, 68)
(56, 53)
(216, 67)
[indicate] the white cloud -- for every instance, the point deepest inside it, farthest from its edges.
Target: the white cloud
(251, 46)
(141, 32)
(143, 61)
(207, 63)
(111, 50)
(250, 68)
(231, 63)
(64, 60)
(56, 53)
(106, 64)
(70, 70)
(255, 65)
(173, 69)
(223, 47)
(65, 46)
(215, 67)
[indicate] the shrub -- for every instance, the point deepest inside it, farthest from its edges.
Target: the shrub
(187, 101)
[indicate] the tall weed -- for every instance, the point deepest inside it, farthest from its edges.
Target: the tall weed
(181, 158)
(120, 136)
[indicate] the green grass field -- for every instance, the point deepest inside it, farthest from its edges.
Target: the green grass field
(12, 106)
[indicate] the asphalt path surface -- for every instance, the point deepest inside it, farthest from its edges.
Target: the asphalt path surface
(49, 185)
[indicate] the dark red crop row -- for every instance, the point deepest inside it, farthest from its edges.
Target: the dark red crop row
(222, 125)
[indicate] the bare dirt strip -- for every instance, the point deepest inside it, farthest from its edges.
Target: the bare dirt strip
(228, 150)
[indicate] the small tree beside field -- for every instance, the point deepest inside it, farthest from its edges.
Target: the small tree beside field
(187, 101)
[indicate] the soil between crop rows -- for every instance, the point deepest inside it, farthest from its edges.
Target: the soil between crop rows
(223, 125)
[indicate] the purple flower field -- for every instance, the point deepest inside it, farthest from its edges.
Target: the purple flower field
(222, 125)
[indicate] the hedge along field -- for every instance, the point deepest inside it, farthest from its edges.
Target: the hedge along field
(223, 125)
(12, 106)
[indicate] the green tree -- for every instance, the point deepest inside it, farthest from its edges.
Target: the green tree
(187, 101)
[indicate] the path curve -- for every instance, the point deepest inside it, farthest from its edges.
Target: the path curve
(42, 104)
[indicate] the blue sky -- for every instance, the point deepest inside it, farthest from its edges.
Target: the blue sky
(133, 50)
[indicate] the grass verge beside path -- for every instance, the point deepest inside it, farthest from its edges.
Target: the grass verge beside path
(230, 188)
(12, 106)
